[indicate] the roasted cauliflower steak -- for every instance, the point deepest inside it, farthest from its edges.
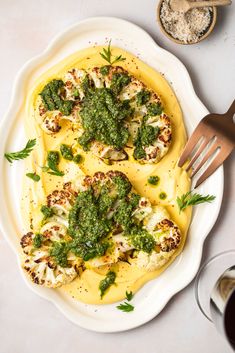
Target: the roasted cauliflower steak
(96, 221)
(111, 111)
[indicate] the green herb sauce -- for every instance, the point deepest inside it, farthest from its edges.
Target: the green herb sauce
(154, 109)
(103, 114)
(52, 98)
(141, 239)
(77, 158)
(146, 135)
(123, 186)
(104, 70)
(96, 213)
(37, 240)
(88, 225)
(106, 283)
(163, 195)
(119, 81)
(142, 97)
(153, 180)
(59, 252)
(66, 152)
(76, 93)
(46, 211)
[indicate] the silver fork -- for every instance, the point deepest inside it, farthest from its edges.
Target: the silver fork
(214, 136)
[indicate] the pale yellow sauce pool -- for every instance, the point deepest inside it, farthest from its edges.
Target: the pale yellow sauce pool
(173, 180)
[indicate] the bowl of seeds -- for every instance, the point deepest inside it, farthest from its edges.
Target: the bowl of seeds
(189, 27)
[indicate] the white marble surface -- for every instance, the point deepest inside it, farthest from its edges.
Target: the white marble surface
(28, 323)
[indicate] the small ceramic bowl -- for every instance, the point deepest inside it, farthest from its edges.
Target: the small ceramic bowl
(204, 36)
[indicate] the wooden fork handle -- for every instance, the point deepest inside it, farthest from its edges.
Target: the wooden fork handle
(210, 3)
(231, 111)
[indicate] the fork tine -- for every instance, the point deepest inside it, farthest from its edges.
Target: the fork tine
(198, 152)
(197, 134)
(208, 154)
(216, 163)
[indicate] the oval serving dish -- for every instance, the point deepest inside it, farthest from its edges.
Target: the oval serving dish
(152, 298)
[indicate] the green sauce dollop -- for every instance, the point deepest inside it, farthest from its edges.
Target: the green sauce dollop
(66, 152)
(106, 282)
(163, 195)
(52, 98)
(153, 180)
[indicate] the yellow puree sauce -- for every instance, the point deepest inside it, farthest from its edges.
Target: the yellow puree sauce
(173, 180)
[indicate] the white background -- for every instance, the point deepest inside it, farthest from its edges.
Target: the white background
(30, 324)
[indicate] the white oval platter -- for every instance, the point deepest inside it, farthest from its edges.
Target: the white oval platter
(152, 298)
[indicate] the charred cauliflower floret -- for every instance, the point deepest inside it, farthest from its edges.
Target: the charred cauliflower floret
(60, 201)
(113, 113)
(143, 210)
(44, 256)
(167, 240)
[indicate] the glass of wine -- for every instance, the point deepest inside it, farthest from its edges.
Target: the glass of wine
(215, 293)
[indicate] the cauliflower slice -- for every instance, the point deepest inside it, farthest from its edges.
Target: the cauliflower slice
(167, 236)
(73, 80)
(50, 121)
(122, 243)
(77, 82)
(38, 262)
(143, 210)
(60, 201)
(42, 270)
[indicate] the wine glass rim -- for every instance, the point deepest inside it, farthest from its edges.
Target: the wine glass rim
(205, 264)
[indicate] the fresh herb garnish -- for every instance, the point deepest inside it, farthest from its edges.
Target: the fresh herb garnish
(129, 295)
(21, 154)
(67, 153)
(37, 240)
(190, 199)
(153, 180)
(53, 159)
(126, 307)
(107, 55)
(106, 282)
(33, 176)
